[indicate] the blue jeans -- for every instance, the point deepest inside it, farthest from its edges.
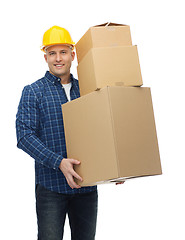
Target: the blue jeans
(52, 208)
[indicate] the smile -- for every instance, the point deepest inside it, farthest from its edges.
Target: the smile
(58, 65)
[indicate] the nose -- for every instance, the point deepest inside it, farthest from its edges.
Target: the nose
(58, 57)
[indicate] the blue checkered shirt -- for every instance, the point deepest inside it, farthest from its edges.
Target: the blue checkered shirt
(40, 130)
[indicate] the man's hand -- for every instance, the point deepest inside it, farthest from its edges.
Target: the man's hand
(66, 166)
(117, 183)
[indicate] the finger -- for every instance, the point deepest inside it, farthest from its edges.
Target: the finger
(120, 183)
(72, 183)
(74, 174)
(74, 161)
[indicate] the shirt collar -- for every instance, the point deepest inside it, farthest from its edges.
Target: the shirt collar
(53, 79)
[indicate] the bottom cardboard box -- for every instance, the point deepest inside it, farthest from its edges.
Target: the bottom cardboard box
(112, 133)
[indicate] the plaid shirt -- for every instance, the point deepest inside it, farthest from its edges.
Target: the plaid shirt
(40, 130)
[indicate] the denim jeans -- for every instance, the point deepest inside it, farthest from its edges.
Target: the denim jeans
(52, 208)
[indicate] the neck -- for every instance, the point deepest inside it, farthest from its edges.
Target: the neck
(65, 79)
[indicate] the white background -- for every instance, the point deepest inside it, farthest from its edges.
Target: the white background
(145, 208)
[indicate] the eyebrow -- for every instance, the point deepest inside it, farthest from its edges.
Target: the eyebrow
(52, 51)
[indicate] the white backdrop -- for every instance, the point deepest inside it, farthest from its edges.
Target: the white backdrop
(145, 208)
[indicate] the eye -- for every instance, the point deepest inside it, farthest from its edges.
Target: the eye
(51, 53)
(63, 52)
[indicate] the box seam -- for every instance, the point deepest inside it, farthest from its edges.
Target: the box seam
(95, 72)
(113, 131)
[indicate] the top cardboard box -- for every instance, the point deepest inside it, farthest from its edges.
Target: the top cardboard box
(104, 35)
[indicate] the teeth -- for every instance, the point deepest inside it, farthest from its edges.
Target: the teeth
(59, 65)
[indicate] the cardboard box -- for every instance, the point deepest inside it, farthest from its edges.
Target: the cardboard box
(112, 132)
(109, 66)
(104, 35)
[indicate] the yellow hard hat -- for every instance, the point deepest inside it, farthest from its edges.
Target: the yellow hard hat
(56, 35)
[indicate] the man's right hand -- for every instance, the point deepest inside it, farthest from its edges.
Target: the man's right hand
(66, 166)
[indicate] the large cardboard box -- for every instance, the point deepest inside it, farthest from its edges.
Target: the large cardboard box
(109, 66)
(112, 132)
(104, 35)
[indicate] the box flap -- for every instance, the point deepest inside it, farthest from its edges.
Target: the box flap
(110, 24)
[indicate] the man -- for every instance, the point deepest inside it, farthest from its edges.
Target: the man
(40, 133)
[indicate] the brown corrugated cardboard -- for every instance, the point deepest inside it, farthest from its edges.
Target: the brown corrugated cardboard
(109, 66)
(104, 35)
(112, 132)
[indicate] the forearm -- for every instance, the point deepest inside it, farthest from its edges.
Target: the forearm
(32, 145)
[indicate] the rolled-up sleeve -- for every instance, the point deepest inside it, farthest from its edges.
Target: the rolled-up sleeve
(27, 125)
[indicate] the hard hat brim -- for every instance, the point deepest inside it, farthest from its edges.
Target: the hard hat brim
(43, 48)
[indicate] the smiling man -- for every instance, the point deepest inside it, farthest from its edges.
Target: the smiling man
(59, 59)
(40, 133)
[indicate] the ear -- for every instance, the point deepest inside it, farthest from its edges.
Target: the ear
(73, 55)
(45, 56)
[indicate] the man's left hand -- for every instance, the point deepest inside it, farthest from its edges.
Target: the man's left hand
(118, 183)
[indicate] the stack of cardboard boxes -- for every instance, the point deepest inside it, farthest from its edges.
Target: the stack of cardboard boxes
(111, 127)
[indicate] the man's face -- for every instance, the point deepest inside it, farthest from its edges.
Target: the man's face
(59, 59)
